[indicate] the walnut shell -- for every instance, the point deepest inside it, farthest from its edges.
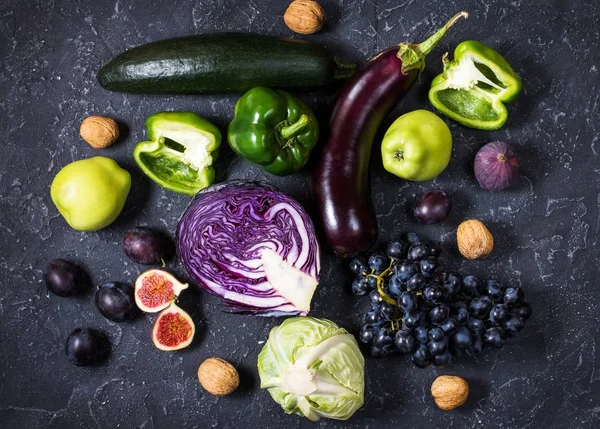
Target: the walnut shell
(218, 377)
(474, 240)
(304, 16)
(98, 131)
(449, 392)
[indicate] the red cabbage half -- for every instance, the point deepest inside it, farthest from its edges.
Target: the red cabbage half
(253, 246)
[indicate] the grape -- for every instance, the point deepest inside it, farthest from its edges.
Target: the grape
(432, 294)
(421, 334)
(384, 337)
(395, 286)
(412, 238)
(470, 288)
(419, 251)
(372, 281)
(454, 278)
(450, 290)
(523, 310)
(476, 346)
(116, 302)
(396, 249)
(438, 347)
(432, 207)
(378, 262)
(65, 279)
(449, 326)
(421, 356)
(375, 298)
(388, 311)
(358, 266)
(377, 352)
(436, 334)
(462, 338)
(461, 314)
(415, 283)
(476, 325)
(494, 290)
(144, 246)
(436, 248)
(498, 314)
(360, 286)
(413, 318)
(513, 296)
(442, 359)
(405, 342)
(441, 315)
(494, 337)
(367, 333)
(513, 325)
(406, 302)
(86, 346)
(373, 317)
(438, 314)
(480, 307)
(428, 266)
(405, 270)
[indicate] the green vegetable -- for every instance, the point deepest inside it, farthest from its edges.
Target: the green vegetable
(417, 146)
(181, 152)
(90, 193)
(273, 129)
(473, 87)
(313, 368)
(221, 63)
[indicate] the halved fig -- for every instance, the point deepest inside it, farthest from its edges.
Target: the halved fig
(173, 329)
(156, 289)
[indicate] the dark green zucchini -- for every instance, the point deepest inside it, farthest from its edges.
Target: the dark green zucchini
(222, 63)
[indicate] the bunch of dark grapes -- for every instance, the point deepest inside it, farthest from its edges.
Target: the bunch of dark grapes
(433, 315)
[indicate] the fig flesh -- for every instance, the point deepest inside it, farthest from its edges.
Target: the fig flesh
(173, 329)
(156, 289)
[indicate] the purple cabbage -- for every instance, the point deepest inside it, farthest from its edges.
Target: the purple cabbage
(232, 233)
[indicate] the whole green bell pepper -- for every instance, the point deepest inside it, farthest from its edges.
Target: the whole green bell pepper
(273, 129)
(473, 87)
(181, 152)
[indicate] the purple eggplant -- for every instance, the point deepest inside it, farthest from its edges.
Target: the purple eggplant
(341, 181)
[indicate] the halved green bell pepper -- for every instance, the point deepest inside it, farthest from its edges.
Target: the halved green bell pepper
(181, 152)
(273, 129)
(473, 87)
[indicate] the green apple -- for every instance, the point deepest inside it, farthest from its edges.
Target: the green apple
(90, 193)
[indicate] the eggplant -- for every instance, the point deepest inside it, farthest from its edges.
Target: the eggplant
(341, 185)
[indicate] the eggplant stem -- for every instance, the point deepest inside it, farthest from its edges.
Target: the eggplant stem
(413, 56)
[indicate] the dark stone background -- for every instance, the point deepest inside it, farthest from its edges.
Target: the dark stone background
(546, 228)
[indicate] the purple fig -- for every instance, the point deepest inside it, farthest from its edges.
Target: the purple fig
(496, 166)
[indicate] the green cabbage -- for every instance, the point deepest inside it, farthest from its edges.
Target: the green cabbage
(313, 368)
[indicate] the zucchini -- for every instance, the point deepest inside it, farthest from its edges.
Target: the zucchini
(222, 63)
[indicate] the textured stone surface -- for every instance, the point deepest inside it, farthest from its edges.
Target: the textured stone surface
(546, 227)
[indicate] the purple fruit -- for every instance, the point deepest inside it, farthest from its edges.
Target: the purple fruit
(496, 166)
(116, 302)
(432, 207)
(144, 246)
(86, 346)
(64, 278)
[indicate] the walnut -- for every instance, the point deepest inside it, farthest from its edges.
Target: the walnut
(98, 131)
(218, 377)
(474, 240)
(304, 16)
(449, 392)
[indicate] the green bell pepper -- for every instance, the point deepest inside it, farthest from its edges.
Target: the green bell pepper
(273, 129)
(473, 87)
(181, 152)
